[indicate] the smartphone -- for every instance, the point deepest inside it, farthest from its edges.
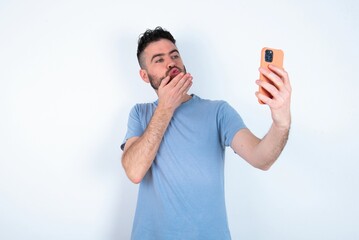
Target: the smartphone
(270, 56)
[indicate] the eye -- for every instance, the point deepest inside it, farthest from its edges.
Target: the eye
(159, 60)
(175, 56)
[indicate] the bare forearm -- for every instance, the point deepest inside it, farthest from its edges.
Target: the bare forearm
(270, 147)
(138, 157)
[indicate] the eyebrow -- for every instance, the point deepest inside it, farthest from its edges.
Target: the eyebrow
(162, 54)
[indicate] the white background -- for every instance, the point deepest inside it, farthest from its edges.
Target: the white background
(69, 76)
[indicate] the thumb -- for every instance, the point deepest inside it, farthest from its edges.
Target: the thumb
(164, 81)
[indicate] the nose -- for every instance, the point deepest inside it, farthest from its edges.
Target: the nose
(171, 64)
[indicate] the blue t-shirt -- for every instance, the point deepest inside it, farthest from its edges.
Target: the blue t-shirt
(182, 194)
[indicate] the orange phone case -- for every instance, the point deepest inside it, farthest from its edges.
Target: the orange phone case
(270, 56)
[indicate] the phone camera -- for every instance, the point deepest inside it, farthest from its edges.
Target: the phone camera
(268, 55)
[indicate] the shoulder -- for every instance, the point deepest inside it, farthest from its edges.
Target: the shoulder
(143, 107)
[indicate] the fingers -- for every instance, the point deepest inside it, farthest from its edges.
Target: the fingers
(164, 81)
(185, 83)
(164, 85)
(278, 76)
(175, 88)
(272, 76)
(171, 92)
(278, 86)
(181, 83)
(261, 97)
(282, 74)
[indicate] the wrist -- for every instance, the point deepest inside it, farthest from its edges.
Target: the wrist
(282, 121)
(165, 111)
(284, 126)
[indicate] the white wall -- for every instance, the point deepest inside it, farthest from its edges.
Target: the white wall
(69, 76)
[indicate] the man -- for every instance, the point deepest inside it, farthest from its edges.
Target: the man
(175, 146)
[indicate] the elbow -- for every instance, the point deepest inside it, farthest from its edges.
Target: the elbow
(263, 163)
(134, 179)
(133, 176)
(264, 166)
(131, 173)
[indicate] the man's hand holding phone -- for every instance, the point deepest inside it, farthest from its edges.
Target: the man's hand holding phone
(274, 87)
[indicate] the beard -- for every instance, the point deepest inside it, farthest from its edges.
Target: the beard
(156, 82)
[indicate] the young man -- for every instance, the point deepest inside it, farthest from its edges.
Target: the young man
(175, 146)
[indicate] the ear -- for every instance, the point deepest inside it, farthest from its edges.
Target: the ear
(144, 75)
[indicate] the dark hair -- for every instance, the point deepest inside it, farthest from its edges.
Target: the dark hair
(152, 36)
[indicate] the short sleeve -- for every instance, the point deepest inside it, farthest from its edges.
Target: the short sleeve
(134, 125)
(229, 123)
